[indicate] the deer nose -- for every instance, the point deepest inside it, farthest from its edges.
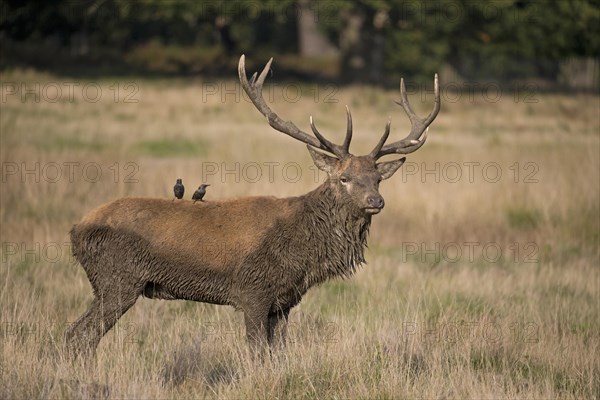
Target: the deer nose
(375, 201)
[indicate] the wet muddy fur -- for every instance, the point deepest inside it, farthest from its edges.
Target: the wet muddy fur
(317, 236)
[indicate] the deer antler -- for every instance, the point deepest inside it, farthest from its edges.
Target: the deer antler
(253, 89)
(340, 151)
(419, 127)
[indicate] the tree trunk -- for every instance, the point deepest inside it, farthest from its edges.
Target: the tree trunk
(312, 43)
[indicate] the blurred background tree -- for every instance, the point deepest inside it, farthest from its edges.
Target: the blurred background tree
(365, 41)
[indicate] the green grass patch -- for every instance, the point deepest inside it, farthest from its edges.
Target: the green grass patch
(523, 369)
(336, 295)
(76, 143)
(456, 303)
(523, 217)
(175, 147)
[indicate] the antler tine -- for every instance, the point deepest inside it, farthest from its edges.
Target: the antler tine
(418, 133)
(332, 147)
(263, 75)
(348, 138)
(374, 153)
(254, 91)
(437, 102)
(339, 151)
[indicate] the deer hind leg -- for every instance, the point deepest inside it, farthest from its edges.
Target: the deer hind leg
(108, 306)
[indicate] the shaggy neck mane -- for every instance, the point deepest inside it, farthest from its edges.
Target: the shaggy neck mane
(337, 231)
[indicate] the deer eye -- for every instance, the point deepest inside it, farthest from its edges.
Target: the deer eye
(344, 179)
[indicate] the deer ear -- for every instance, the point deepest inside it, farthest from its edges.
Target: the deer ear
(388, 168)
(322, 161)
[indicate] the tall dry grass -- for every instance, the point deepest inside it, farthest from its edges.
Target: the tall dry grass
(477, 286)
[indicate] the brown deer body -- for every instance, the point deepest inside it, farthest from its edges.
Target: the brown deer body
(257, 254)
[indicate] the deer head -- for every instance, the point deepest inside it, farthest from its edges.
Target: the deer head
(354, 179)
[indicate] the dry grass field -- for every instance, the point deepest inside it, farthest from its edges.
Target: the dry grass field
(483, 269)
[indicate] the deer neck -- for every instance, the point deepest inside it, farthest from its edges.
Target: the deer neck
(338, 231)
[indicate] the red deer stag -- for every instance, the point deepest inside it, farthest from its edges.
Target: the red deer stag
(271, 250)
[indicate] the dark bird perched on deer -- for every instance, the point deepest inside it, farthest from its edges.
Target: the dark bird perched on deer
(258, 254)
(178, 190)
(199, 194)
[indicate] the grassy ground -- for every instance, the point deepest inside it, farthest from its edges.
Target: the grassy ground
(483, 269)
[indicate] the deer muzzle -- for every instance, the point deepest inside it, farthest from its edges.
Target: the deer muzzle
(374, 204)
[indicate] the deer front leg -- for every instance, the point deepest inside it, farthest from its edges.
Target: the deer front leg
(257, 324)
(276, 334)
